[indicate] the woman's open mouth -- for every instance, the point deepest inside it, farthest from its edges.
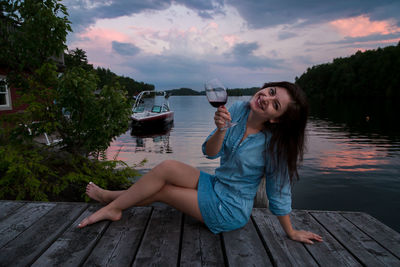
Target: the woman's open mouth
(258, 102)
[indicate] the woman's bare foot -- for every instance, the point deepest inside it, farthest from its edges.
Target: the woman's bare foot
(97, 193)
(105, 213)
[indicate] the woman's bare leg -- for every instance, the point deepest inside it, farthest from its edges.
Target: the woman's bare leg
(106, 196)
(102, 195)
(173, 173)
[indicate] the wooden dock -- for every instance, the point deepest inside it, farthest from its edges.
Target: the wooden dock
(45, 234)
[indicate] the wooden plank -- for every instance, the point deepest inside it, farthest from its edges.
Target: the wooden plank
(22, 219)
(160, 244)
(327, 253)
(8, 207)
(284, 252)
(261, 199)
(23, 250)
(200, 247)
(243, 247)
(75, 244)
(119, 243)
(384, 235)
(361, 245)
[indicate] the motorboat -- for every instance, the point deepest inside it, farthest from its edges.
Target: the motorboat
(158, 117)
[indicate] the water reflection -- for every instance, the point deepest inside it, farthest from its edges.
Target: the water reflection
(153, 139)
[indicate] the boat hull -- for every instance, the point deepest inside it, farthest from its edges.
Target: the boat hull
(151, 121)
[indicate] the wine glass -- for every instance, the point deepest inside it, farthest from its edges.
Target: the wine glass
(217, 96)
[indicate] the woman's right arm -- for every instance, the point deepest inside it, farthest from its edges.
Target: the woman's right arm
(214, 143)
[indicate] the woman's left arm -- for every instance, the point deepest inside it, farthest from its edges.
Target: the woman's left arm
(297, 235)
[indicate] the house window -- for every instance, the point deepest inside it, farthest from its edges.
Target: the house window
(5, 99)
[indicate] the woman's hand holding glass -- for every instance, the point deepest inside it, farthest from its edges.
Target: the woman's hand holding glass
(217, 96)
(221, 116)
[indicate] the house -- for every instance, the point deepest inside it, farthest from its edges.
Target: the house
(9, 95)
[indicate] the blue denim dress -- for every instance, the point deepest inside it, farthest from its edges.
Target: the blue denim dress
(226, 198)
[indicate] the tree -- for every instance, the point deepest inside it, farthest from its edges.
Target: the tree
(77, 58)
(32, 32)
(89, 119)
(70, 104)
(369, 74)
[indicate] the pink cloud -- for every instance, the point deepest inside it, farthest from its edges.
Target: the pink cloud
(231, 39)
(213, 25)
(104, 34)
(146, 33)
(362, 26)
(100, 38)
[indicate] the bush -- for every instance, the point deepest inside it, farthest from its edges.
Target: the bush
(29, 172)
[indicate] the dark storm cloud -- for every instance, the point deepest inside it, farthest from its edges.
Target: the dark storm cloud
(243, 55)
(84, 13)
(363, 39)
(283, 35)
(125, 49)
(269, 13)
(372, 37)
(204, 8)
(258, 13)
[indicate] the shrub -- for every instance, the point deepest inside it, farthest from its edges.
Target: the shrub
(29, 172)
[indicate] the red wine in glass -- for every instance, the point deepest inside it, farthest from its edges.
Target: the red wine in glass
(217, 104)
(217, 96)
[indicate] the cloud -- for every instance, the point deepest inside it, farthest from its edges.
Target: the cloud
(270, 13)
(245, 49)
(392, 38)
(363, 26)
(206, 9)
(181, 43)
(283, 35)
(373, 37)
(125, 49)
(86, 12)
(243, 55)
(168, 71)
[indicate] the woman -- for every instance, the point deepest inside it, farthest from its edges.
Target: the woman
(267, 140)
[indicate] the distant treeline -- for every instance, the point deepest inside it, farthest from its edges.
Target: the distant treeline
(183, 91)
(130, 85)
(78, 58)
(373, 73)
(231, 92)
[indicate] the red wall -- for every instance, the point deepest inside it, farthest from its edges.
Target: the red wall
(14, 97)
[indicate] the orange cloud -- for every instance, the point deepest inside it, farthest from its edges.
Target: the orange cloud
(362, 26)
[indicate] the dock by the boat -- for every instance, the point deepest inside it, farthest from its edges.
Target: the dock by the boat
(45, 234)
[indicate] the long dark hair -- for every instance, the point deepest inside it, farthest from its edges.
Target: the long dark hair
(287, 143)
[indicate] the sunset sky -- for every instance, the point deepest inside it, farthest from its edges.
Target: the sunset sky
(244, 43)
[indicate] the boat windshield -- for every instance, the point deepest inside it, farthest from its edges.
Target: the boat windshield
(138, 109)
(156, 109)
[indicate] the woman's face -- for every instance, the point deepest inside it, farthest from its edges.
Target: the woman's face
(270, 103)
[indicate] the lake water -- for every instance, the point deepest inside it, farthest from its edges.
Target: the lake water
(352, 162)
